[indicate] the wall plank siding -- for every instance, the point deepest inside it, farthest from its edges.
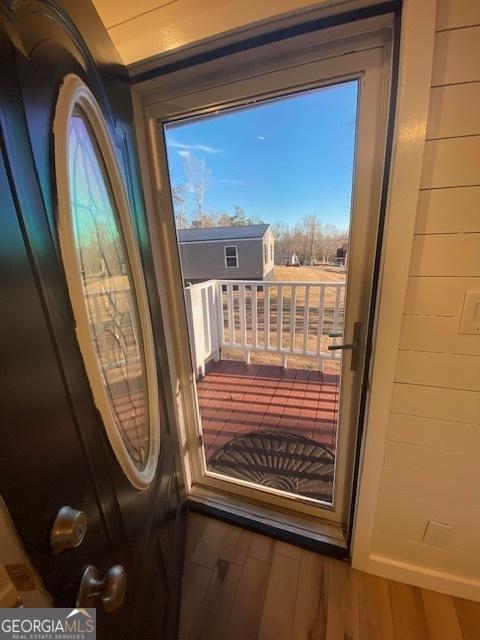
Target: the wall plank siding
(432, 454)
(453, 210)
(446, 434)
(443, 370)
(454, 111)
(438, 334)
(433, 402)
(446, 254)
(439, 489)
(451, 162)
(433, 462)
(146, 28)
(456, 56)
(440, 296)
(461, 13)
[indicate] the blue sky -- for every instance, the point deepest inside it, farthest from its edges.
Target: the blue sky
(280, 160)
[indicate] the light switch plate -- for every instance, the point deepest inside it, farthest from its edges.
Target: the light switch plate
(470, 318)
(437, 533)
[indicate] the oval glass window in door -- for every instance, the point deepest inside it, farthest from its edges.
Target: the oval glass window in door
(108, 296)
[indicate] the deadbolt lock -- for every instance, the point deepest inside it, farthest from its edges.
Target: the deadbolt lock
(68, 530)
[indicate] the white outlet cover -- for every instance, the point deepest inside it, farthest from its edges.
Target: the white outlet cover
(470, 318)
(437, 534)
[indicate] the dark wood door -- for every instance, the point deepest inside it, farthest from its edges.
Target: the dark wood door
(54, 447)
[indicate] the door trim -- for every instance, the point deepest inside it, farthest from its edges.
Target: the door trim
(146, 110)
(408, 141)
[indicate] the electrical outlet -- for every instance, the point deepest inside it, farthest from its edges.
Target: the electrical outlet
(437, 534)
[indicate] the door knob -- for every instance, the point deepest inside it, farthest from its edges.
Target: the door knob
(110, 591)
(68, 530)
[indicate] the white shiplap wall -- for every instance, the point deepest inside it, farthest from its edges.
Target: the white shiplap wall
(431, 465)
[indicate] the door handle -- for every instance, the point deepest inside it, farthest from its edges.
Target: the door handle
(354, 345)
(110, 591)
(336, 347)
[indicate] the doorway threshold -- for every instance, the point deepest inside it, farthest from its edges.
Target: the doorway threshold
(313, 534)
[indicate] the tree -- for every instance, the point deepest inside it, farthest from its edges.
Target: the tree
(198, 179)
(223, 220)
(311, 229)
(239, 217)
(179, 206)
(309, 239)
(203, 222)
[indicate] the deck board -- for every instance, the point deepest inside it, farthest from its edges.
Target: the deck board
(235, 397)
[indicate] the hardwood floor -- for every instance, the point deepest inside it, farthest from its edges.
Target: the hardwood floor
(240, 585)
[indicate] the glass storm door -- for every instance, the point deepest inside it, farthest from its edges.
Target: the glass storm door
(274, 184)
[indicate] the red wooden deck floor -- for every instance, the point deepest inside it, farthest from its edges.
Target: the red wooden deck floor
(235, 397)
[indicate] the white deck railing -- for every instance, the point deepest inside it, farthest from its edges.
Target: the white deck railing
(288, 318)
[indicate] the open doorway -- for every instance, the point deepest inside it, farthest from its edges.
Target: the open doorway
(262, 199)
(270, 189)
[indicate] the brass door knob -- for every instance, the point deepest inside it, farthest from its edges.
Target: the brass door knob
(110, 591)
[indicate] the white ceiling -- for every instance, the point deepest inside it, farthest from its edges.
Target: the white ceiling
(141, 29)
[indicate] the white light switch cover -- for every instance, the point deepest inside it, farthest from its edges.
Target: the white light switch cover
(470, 319)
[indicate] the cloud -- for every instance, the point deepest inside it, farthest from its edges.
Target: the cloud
(242, 183)
(204, 148)
(184, 154)
(261, 138)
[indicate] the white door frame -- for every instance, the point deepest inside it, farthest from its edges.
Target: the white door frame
(415, 70)
(369, 61)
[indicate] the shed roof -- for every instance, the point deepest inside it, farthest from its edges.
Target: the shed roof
(222, 233)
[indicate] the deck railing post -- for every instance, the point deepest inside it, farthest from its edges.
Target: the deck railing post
(189, 306)
(266, 316)
(254, 315)
(218, 304)
(243, 316)
(293, 313)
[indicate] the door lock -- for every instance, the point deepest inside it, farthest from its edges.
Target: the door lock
(354, 345)
(68, 530)
(110, 591)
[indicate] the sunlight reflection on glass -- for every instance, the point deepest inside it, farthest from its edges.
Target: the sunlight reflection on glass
(108, 289)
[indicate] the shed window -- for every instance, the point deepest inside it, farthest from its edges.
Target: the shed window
(231, 257)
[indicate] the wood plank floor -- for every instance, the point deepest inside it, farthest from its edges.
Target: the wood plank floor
(240, 585)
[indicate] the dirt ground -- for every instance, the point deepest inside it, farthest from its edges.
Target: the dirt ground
(308, 274)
